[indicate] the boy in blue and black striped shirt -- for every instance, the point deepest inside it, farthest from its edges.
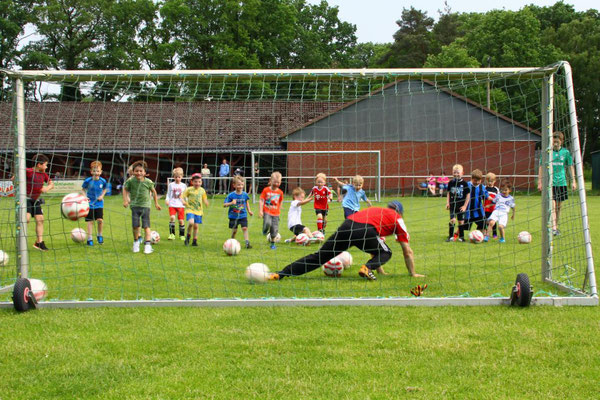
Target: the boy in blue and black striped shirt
(475, 211)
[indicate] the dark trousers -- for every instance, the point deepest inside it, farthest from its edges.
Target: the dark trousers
(350, 233)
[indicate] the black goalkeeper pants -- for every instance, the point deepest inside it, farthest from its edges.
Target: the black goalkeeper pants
(350, 233)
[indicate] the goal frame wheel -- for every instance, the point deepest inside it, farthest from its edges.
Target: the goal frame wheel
(522, 291)
(23, 298)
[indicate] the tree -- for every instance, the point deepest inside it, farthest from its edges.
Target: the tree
(368, 55)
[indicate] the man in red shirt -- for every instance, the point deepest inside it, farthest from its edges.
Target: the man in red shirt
(36, 178)
(365, 230)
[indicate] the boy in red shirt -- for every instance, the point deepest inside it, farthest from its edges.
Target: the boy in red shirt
(36, 178)
(270, 207)
(322, 195)
(365, 230)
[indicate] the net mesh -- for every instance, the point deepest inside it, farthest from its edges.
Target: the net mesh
(421, 125)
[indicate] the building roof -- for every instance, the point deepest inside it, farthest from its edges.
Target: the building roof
(158, 127)
(406, 111)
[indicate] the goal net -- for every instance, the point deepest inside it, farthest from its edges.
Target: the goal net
(402, 131)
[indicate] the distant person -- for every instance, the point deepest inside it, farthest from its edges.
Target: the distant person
(206, 179)
(239, 208)
(489, 206)
(175, 204)
(322, 195)
(295, 214)
(442, 182)
(561, 161)
(504, 202)
(95, 187)
(457, 201)
(431, 184)
(193, 198)
(224, 170)
(477, 196)
(271, 199)
(36, 178)
(354, 193)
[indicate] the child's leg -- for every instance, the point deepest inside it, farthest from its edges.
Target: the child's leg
(196, 226)
(320, 221)
(90, 229)
(501, 229)
(557, 212)
(233, 232)
(266, 224)
(491, 227)
(451, 225)
(136, 233)
(462, 227)
(147, 234)
(39, 227)
(181, 228)
(100, 223)
(324, 221)
(172, 224)
(307, 232)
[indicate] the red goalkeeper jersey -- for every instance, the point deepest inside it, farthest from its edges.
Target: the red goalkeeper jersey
(385, 220)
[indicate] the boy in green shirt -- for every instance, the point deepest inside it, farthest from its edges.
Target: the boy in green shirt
(561, 159)
(136, 192)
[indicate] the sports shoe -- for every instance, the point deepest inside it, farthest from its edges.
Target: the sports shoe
(366, 273)
(90, 242)
(556, 232)
(460, 239)
(450, 239)
(248, 246)
(182, 237)
(100, 239)
(171, 236)
(136, 246)
(273, 247)
(186, 241)
(486, 238)
(273, 277)
(148, 249)
(288, 241)
(495, 236)
(502, 240)
(194, 243)
(40, 246)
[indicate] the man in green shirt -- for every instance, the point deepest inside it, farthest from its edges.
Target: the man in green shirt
(136, 192)
(561, 159)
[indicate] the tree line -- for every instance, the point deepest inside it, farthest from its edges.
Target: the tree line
(230, 34)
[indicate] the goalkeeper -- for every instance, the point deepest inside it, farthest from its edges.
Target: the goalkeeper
(365, 230)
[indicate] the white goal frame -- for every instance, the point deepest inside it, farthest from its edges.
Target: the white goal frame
(377, 177)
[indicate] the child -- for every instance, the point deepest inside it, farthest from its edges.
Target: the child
(173, 201)
(354, 193)
(457, 201)
(322, 196)
(136, 192)
(192, 198)
(561, 158)
(431, 184)
(488, 205)
(36, 177)
(442, 182)
(271, 199)
(295, 214)
(478, 194)
(95, 188)
(239, 209)
(504, 202)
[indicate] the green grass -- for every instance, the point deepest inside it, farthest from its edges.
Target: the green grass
(113, 272)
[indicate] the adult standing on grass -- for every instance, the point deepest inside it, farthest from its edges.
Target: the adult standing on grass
(365, 230)
(560, 159)
(208, 184)
(224, 170)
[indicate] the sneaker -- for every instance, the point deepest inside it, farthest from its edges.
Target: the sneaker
(273, 247)
(486, 238)
(495, 236)
(90, 242)
(40, 246)
(248, 246)
(100, 239)
(148, 249)
(136, 246)
(273, 277)
(186, 241)
(171, 236)
(502, 240)
(140, 240)
(194, 243)
(460, 239)
(288, 241)
(556, 232)
(450, 239)
(366, 273)
(182, 237)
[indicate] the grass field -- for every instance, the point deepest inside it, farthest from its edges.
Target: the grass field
(113, 272)
(296, 353)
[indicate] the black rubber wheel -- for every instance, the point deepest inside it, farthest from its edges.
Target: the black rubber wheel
(21, 298)
(523, 290)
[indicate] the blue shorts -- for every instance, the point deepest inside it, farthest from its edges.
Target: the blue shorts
(197, 218)
(348, 212)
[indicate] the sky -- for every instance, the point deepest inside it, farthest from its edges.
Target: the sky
(375, 20)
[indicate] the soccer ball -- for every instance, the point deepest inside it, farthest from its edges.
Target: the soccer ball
(524, 237)
(75, 206)
(346, 258)
(302, 239)
(78, 235)
(476, 237)
(333, 267)
(39, 289)
(318, 236)
(154, 237)
(277, 237)
(257, 273)
(231, 247)
(3, 258)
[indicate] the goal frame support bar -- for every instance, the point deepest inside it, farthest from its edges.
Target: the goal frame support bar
(377, 152)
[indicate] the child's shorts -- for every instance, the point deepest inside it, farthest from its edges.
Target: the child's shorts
(235, 222)
(140, 212)
(322, 212)
(34, 207)
(501, 218)
(348, 212)
(193, 217)
(94, 214)
(297, 229)
(179, 211)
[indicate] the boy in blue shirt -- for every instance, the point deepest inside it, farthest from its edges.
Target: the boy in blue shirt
(352, 195)
(238, 209)
(95, 188)
(479, 193)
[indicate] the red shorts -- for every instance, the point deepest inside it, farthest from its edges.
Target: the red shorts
(179, 211)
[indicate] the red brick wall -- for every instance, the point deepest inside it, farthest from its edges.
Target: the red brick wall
(416, 158)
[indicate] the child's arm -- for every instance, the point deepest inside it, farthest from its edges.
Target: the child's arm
(573, 181)
(168, 196)
(448, 201)
(155, 199)
(183, 197)
(50, 185)
(261, 204)
(205, 200)
(250, 210)
(467, 201)
(101, 197)
(125, 197)
(512, 217)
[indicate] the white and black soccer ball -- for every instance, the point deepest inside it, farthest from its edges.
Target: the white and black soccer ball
(231, 247)
(78, 235)
(277, 237)
(257, 273)
(524, 237)
(333, 267)
(154, 237)
(476, 237)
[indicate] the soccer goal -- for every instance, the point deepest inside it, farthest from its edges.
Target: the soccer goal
(403, 130)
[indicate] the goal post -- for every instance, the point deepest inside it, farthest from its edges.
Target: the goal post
(403, 130)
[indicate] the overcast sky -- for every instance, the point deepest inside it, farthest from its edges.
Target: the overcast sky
(375, 20)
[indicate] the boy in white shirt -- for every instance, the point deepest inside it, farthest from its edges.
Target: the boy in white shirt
(176, 207)
(504, 202)
(295, 214)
